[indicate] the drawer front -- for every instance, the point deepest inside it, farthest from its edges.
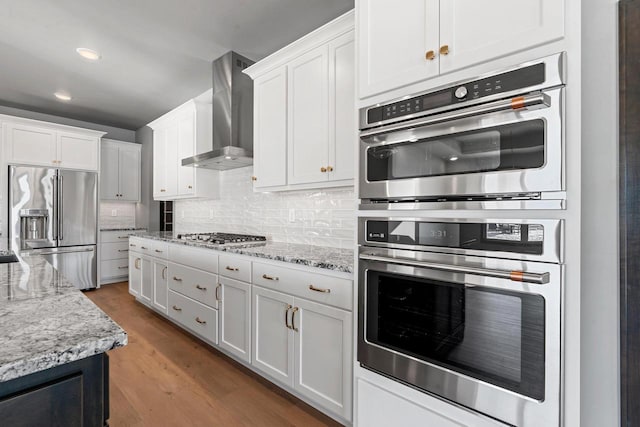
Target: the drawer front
(312, 286)
(204, 259)
(110, 251)
(198, 318)
(196, 284)
(235, 267)
(160, 249)
(141, 246)
(114, 236)
(114, 268)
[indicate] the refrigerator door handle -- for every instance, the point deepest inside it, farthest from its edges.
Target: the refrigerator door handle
(60, 206)
(57, 251)
(54, 180)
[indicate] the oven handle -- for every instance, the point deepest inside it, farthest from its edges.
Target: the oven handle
(517, 103)
(516, 276)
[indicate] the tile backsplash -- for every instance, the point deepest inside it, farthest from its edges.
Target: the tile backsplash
(125, 214)
(315, 217)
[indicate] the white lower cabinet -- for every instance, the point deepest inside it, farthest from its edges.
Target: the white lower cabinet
(160, 286)
(146, 292)
(196, 317)
(234, 317)
(135, 273)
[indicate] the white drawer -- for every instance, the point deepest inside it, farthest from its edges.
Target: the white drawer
(115, 236)
(235, 267)
(160, 249)
(114, 268)
(198, 318)
(315, 287)
(110, 251)
(204, 259)
(193, 283)
(136, 244)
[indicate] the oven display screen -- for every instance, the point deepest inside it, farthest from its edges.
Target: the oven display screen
(436, 100)
(439, 234)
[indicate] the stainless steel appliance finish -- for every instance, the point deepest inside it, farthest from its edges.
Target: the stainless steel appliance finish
(468, 325)
(505, 146)
(232, 116)
(60, 210)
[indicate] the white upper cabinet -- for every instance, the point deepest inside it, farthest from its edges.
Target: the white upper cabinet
(304, 111)
(120, 171)
(399, 46)
(31, 142)
(183, 132)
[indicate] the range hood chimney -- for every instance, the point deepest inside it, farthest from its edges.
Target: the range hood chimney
(232, 116)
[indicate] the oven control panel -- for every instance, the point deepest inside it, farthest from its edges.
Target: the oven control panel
(500, 83)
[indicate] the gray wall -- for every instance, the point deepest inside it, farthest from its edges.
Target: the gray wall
(148, 211)
(600, 385)
(112, 132)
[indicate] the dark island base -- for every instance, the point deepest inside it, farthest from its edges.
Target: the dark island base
(74, 394)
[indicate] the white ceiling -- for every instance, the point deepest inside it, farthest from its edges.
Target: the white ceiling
(156, 54)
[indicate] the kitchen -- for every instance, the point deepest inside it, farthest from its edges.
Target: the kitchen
(316, 213)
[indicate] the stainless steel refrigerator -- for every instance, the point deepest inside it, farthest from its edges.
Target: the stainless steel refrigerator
(54, 213)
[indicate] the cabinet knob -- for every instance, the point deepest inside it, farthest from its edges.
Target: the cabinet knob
(189, 187)
(430, 56)
(329, 168)
(444, 49)
(254, 178)
(162, 190)
(323, 169)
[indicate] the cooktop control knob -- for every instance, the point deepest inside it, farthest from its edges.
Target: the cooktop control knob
(461, 92)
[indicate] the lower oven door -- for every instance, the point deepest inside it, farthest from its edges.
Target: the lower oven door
(459, 327)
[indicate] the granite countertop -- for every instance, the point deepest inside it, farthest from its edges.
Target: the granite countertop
(311, 256)
(46, 321)
(122, 228)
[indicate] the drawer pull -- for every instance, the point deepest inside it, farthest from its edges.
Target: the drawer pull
(286, 316)
(324, 291)
(293, 318)
(176, 308)
(177, 279)
(132, 245)
(267, 277)
(217, 294)
(123, 250)
(164, 273)
(124, 267)
(137, 263)
(143, 247)
(158, 251)
(202, 288)
(123, 237)
(232, 268)
(202, 322)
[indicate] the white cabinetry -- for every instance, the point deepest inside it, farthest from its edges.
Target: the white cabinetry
(234, 314)
(399, 46)
(120, 171)
(183, 132)
(114, 254)
(305, 116)
(31, 142)
(135, 273)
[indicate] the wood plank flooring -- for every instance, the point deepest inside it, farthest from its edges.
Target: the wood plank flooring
(166, 377)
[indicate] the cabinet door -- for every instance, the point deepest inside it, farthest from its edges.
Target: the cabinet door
(31, 145)
(477, 31)
(159, 163)
(135, 274)
(272, 340)
(270, 129)
(171, 160)
(186, 148)
(309, 117)
(146, 291)
(77, 151)
(342, 109)
(160, 286)
(321, 375)
(109, 172)
(129, 176)
(234, 310)
(393, 43)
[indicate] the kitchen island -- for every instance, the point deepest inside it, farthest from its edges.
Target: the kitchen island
(53, 366)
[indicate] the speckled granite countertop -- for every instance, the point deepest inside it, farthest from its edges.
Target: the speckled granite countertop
(46, 322)
(311, 256)
(122, 229)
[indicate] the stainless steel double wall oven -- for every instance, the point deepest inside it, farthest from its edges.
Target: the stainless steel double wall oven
(467, 309)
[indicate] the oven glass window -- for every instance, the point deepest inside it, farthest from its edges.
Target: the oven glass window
(492, 335)
(501, 148)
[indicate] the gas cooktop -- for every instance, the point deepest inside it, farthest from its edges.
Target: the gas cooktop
(221, 238)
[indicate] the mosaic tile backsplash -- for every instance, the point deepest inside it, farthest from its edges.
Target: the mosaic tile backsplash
(315, 217)
(125, 215)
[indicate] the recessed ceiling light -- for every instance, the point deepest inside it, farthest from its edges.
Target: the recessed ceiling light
(454, 158)
(62, 96)
(89, 54)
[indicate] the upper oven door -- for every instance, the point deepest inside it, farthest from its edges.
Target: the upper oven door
(490, 149)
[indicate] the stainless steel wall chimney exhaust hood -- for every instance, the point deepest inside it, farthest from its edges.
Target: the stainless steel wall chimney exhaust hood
(232, 116)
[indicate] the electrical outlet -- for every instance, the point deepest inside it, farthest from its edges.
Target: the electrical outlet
(210, 213)
(114, 212)
(292, 215)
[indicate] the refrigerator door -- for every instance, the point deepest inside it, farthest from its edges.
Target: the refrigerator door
(77, 208)
(77, 264)
(32, 195)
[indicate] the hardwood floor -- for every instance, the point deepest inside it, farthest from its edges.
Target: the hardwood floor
(166, 377)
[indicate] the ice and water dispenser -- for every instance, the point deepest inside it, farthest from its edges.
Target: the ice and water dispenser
(34, 224)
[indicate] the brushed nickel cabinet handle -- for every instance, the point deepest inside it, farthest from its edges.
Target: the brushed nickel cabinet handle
(158, 251)
(177, 279)
(123, 250)
(124, 267)
(189, 187)
(232, 268)
(123, 237)
(293, 318)
(202, 322)
(144, 247)
(164, 273)
(217, 293)
(325, 291)
(286, 316)
(267, 277)
(137, 263)
(202, 288)
(132, 245)
(176, 308)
